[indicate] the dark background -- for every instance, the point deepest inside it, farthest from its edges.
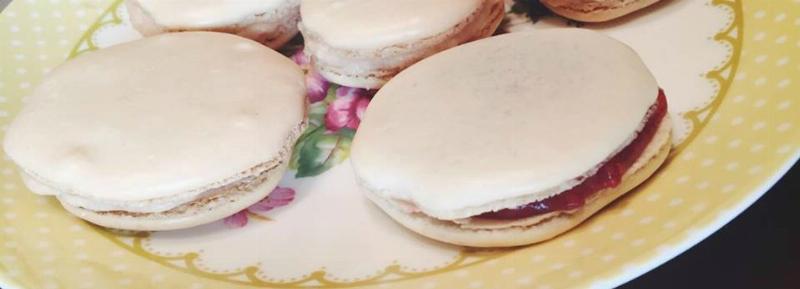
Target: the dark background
(3, 4)
(758, 249)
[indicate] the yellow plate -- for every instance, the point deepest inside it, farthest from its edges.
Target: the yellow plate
(732, 72)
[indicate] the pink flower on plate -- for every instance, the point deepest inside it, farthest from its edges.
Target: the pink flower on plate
(279, 197)
(237, 220)
(316, 86)
(347, 109)
(301, 59)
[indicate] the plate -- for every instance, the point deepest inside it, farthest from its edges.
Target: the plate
(729, 68)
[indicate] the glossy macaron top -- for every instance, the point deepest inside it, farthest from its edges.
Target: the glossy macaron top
(375, 24)
(152, 118)
(518, 117)
(200, 14)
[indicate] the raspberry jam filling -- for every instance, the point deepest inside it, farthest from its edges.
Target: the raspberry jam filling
(609, 175)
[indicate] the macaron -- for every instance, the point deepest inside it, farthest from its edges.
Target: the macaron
(513, 139)
(162, 133)
(271, 22)
(595, 10)
(363, 43)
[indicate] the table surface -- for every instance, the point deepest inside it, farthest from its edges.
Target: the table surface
(758, 249)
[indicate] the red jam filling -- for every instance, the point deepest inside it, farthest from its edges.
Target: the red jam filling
(609, 175)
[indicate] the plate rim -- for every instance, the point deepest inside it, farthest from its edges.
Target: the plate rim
(693, 238)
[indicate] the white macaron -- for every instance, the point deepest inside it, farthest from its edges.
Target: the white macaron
(271, 22)
(166, 132)
(363, 43)
(463, 146)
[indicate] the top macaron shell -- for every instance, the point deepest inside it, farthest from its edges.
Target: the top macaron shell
(365, 25)
(520, 115)
(159, 116)
(199, 14)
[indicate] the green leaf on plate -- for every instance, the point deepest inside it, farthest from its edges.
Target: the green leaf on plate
(299, 144)
(316, 114)
(320, 150)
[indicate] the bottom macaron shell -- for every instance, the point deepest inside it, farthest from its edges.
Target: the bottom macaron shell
(450, 232)
(204, 213)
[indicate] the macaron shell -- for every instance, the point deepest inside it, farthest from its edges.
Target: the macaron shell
(370, 24)
(192, 216)
(269, 22)
(168, 114)
(371, 68)
(518, 116)
(208, 13)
